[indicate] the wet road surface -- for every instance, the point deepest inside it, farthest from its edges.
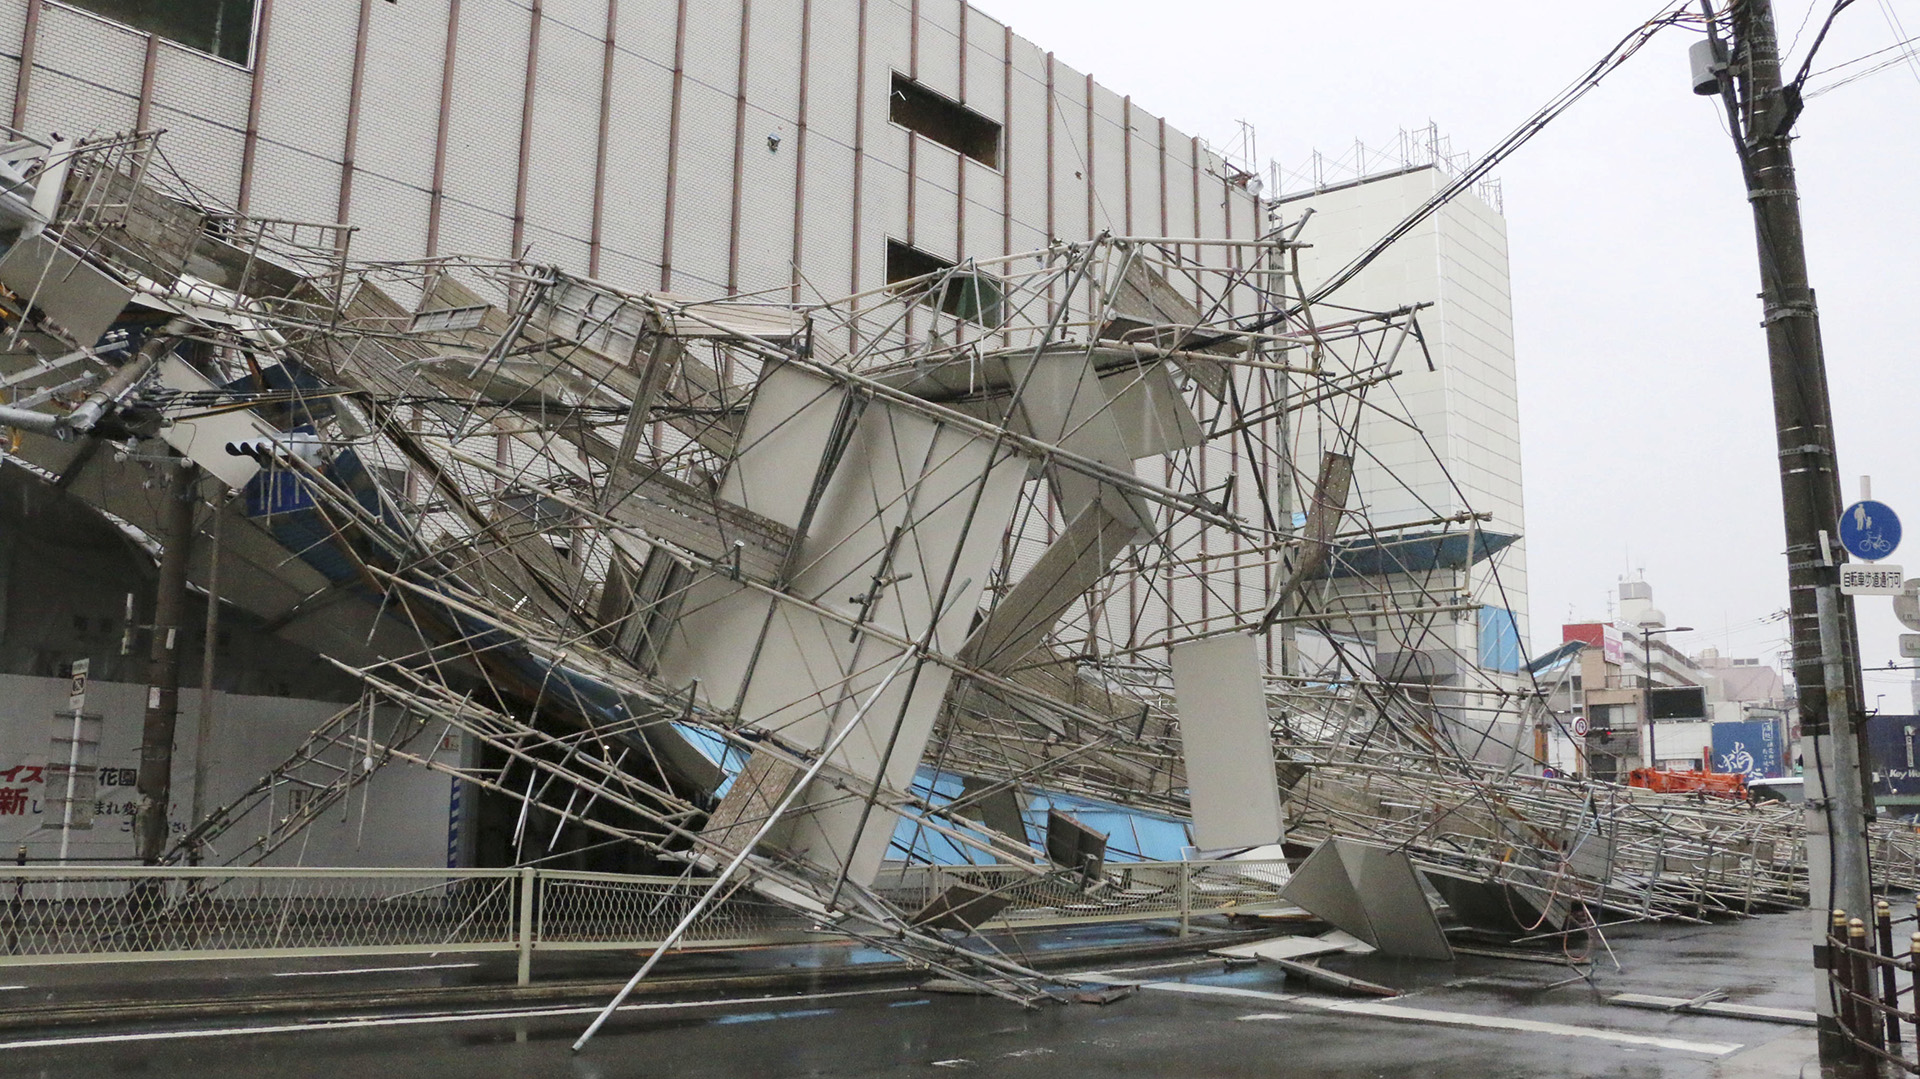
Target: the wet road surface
(1193, 1019)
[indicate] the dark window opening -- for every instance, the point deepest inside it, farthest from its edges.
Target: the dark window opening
(223, 28)
(943, 120)
(973, 296)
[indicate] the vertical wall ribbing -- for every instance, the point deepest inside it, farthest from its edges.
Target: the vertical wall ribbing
(800, 145)
(739, 148)
(250, 149)
(960, 184)
(437, 196)
(23, 83)
(673, 141)
(526, 135)
(859, 143)
(144, 112)
(1093, 194)
(343, 205)
(597, 231)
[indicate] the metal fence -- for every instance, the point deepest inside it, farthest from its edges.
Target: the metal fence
(1868, 974)
(85, 914)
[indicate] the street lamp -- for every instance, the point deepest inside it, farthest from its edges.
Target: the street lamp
(1647, 633)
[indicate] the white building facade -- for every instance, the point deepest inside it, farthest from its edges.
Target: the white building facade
(703, 146)
(1461, 451)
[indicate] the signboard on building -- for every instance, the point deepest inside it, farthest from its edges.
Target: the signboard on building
(1892, 745)
(1601, 635)
(1750, 748)
(1677, 702)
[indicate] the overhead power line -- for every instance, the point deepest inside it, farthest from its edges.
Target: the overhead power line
(1614, 57)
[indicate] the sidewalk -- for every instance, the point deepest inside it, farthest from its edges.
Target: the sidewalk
(47, 997)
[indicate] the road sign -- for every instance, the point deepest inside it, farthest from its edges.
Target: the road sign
(1580, 722)
(1869, 580)
(1869, 530)
(77, 689)
(1910, 646)
(1906, 605)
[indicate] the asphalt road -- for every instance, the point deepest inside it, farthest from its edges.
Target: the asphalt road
(1478, 1018)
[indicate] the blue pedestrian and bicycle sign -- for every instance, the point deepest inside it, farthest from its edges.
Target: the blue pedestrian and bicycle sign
(1869, 530)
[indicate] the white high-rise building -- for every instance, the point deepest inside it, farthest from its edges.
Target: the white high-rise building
(1459, 388)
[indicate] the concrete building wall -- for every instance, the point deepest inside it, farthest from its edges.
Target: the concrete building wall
(406, 808)
(475, 128)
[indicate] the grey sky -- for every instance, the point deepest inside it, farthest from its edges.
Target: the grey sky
(1645, 405)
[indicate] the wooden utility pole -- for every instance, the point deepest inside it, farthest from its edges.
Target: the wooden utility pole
(163, 665)
(1826, 666)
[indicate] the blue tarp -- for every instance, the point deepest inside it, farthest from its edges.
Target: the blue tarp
(1414, 552)
(1133, 835)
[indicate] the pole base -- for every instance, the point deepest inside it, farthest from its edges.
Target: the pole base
(1838, 1052)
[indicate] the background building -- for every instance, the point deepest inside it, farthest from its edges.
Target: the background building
(1744, 708)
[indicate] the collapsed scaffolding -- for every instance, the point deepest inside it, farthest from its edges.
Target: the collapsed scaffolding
(804, 597)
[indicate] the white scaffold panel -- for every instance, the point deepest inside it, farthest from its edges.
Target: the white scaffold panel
(906, 529)
(1227, 740)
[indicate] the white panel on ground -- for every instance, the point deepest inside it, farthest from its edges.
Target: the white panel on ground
(1228, 742)
(1371, 892)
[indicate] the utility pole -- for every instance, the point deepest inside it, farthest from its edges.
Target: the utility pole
(163, 664)
(1826, 666)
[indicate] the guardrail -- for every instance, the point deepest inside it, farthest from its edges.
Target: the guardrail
(89, 914)
(79, 914)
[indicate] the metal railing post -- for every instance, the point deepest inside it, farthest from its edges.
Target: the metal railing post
(1186, 899)
(528, 878)
(1868, 1017)
(1839, 971)
(1913, 974)
(1889, 987)
(19, 895)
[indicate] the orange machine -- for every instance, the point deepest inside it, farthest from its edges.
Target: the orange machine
(1687, 781)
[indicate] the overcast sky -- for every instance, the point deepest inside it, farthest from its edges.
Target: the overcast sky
(1645, 405)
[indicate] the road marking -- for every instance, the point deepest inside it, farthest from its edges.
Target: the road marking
(1262, 1015)
(1496, 1022)
(5, 988)
(415, 1020)
(369, 970)
(1425, 1015)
